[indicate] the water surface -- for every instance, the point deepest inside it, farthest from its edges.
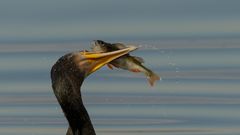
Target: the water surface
(198, 95)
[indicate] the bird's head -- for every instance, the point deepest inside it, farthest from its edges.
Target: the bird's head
(75, 67)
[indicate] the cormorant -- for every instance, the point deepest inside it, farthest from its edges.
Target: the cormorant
(67, 75)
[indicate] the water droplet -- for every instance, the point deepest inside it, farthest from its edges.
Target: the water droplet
(171, 64)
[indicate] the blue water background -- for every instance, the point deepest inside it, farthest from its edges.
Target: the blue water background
(198, 94)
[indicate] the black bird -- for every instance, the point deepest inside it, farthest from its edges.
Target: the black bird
(67, 75)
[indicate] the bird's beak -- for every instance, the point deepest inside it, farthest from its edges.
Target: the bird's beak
(97, 60)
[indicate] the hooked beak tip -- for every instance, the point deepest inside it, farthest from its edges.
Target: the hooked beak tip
(132, 48)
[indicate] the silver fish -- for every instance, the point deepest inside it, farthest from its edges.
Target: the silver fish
(126, 62)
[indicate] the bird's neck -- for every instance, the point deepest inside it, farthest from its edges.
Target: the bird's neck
(67, 91)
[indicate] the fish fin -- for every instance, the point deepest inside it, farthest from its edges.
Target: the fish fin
(119, 45)
(110, 66)
(138, 59)
(135, 70)
(152, 78)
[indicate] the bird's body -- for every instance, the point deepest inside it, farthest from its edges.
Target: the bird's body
(67, 75)
(126, 62)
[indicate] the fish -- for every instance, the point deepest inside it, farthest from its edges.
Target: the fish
(126, 62)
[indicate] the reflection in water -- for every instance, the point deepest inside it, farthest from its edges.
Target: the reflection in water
(199, 93)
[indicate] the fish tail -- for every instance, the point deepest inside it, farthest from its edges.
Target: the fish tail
(152, 77)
